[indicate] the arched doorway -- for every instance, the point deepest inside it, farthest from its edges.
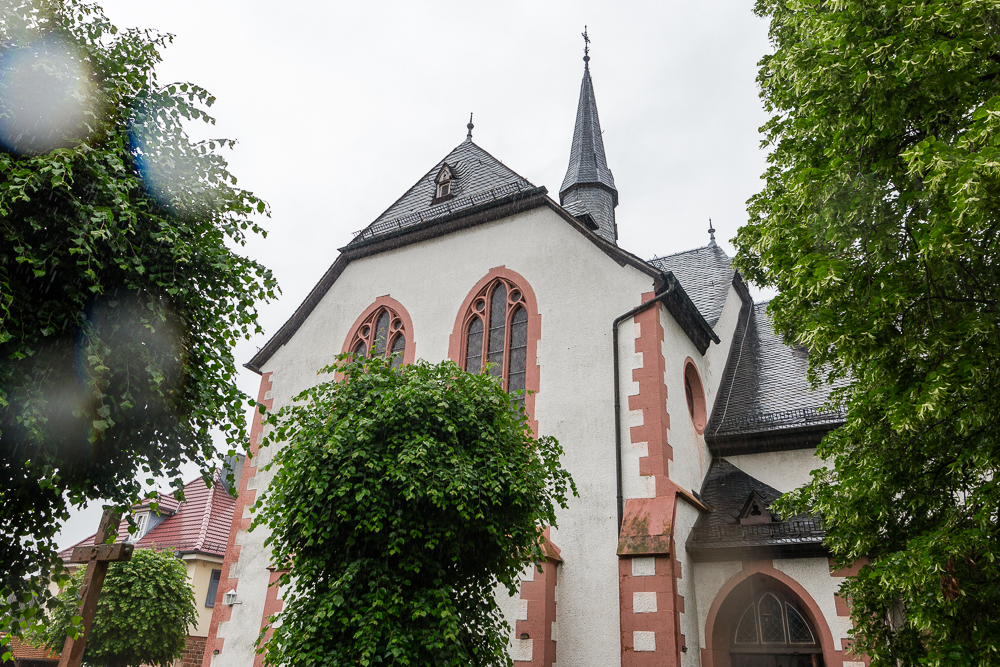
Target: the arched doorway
(763, 623)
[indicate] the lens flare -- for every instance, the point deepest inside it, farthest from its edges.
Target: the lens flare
(47, 97)
(173, 169)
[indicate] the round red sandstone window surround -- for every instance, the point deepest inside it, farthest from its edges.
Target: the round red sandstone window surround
(694, 393)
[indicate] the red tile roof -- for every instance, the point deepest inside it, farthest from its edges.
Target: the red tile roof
(22, 650)
(200, 524)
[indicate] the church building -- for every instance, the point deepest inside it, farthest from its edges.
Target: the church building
(683, 416)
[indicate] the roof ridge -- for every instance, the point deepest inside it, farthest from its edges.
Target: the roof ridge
(684, 252)
(206, 516)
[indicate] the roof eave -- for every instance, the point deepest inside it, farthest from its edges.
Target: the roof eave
(773, 440)
(683, 310)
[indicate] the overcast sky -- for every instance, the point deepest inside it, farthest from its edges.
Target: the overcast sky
(339, 107)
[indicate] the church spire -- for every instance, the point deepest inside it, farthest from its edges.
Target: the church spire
(588, 190)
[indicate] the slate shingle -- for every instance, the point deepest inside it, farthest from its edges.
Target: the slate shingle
(705, 274)
(764, 387)
(589, 187)
(478, 178)
(726, 490)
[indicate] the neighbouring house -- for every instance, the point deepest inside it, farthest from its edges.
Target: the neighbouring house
(682, 414)
(26, 655)
(197, 530)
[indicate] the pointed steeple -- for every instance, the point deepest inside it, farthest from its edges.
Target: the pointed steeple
(588, 190)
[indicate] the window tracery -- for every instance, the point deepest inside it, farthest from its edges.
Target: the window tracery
(496, 332)
(768, 620)
(382, 333)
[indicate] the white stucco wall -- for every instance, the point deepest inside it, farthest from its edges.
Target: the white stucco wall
(691, 456)
(814, 576)
(686, 586)
(709, 579)
(580, 291)
(782, 470)
(714, 364)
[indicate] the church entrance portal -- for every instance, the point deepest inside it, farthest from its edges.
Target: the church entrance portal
(765, 625)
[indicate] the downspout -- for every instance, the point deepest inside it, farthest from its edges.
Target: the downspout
(659, 297)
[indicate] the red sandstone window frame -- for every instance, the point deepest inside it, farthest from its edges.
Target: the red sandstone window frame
(694, 395)
(364, 328)
(483, 290)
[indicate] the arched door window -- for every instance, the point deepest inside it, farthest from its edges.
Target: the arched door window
(496, 333)
(772, 630)
(381, 334)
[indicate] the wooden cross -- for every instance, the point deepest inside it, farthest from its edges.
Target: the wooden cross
(97, 557)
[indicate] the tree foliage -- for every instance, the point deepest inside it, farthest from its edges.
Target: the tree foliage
(120, 295)
(144, 614)
(879, 225)
(402, 499)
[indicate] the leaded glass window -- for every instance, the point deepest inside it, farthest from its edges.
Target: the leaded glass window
(772, 627)
(746, 631)
(381, 334)
(773, 620)
(799, 631)
(496, 331)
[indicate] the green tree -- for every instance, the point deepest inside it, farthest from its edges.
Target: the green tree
(143, 616)
(878, 225)
(121, 296)
(402, 499)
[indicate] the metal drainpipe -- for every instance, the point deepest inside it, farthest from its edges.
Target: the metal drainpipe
(618, 403)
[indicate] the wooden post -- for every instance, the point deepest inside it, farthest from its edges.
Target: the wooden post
(97, 558)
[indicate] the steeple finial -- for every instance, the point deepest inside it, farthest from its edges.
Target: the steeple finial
(586, 48)
(711, 235)
(468, 137)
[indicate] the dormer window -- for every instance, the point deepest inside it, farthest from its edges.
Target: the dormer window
(443, 182)
(141, 522)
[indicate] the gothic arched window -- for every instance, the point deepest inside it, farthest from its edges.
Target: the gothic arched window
(496, 332)
(382, 333)
(773, 624)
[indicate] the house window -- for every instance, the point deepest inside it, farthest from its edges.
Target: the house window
(496, 333)
(381, 334)
(213, 588)
(443, 189)
(140, 527)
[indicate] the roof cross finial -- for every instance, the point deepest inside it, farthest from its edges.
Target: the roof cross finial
(586, 48)
(468, 137)
(711, 235)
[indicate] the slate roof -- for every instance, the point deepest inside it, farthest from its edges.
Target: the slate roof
(587, 162)
(718, 534)
(200, 524)
(588, 189)
(705, 274)
(764, 390)
(478, 178)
